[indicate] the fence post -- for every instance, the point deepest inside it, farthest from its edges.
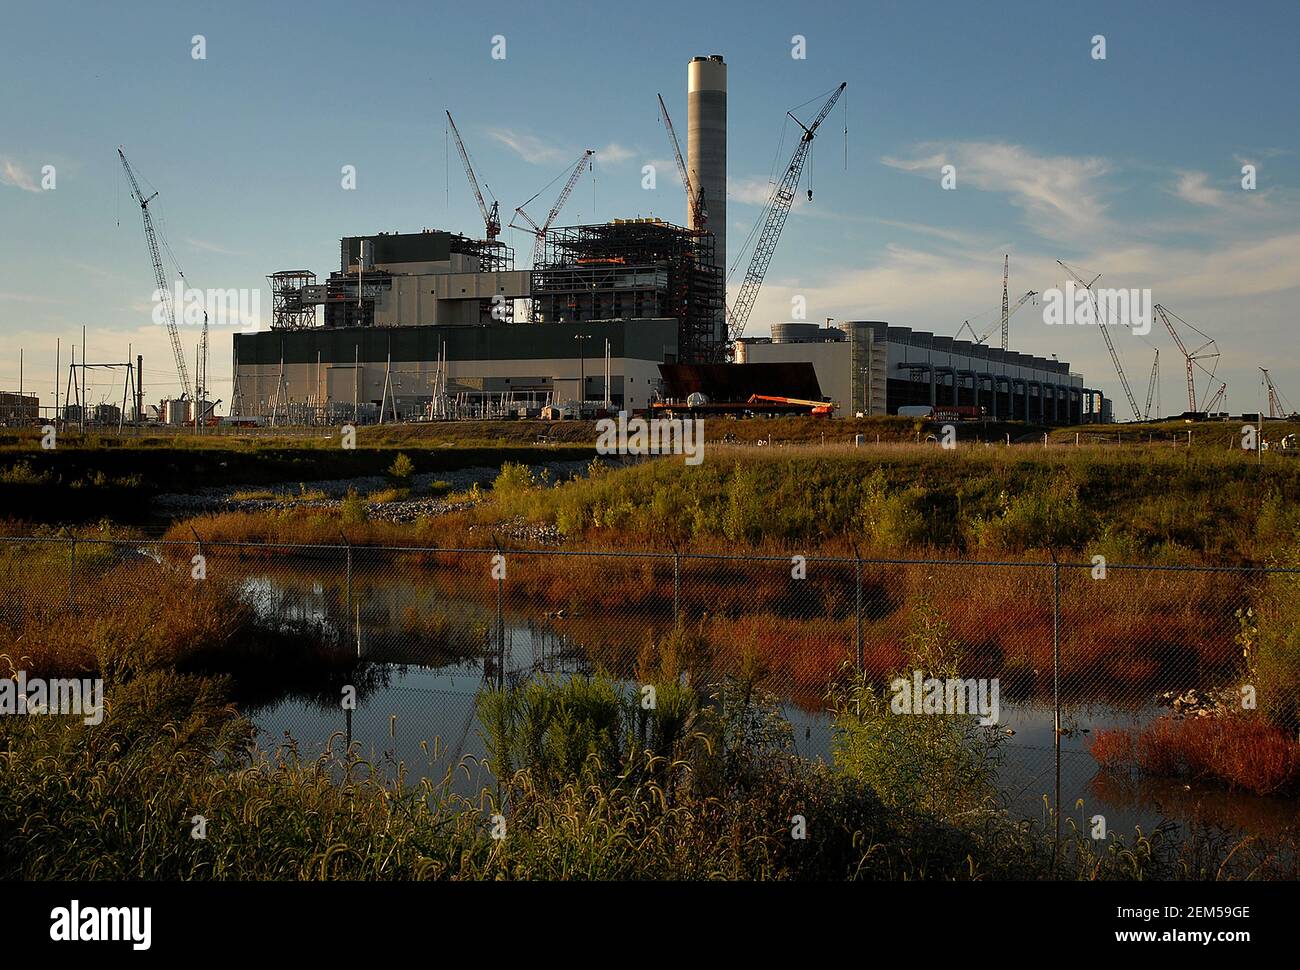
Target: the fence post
(199, 542)
(677, 583)
(1056, 697)
(72, 573)
(501, 618)
(857, 606)
(347, 580)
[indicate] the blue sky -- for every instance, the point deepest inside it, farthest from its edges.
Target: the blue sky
(1129, 166)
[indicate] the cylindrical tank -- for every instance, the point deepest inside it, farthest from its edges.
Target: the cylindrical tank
(178, 411)
(706, 150)
(796, 332)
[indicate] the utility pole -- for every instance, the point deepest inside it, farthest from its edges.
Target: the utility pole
(84, 357)
(582, 370)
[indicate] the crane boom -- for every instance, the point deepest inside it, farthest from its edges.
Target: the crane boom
(694, 197)
(1277, 406)
(1110, 344)
(1220, 396)
(1006, 306)
(778, 209)
(1010, 312)
(539, 232)
(160, 278)
(1190, 358)
(491, 216)
(1153, 384)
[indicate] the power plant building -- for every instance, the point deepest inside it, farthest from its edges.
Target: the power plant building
(336, 374)
(425, 324)
(872, 368)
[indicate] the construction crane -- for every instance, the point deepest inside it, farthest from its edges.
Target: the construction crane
(160, 278)
(817, 408)
(539, 232)
(1277, 407)
(1104, 327)
(694, 197)
(1153, 387)
(491, 216)
(778, 209)
(1008, 312)
(1220, 397)
(1190, 358)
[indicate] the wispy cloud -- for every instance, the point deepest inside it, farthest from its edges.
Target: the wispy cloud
(10, 297)
(1062, 195)
(758, 192)
(613, 154)
(528, 147)
(956, 236)
(1195, 187)
(209, 247)
(749, 191)
(11, 173)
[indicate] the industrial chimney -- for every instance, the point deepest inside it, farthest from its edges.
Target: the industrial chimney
(706, 150)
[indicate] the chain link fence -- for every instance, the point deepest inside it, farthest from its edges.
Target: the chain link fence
(1075, 658)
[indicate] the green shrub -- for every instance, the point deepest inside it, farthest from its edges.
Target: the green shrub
(891, 520)
(352, 510)
(402, 467)
(942, 764)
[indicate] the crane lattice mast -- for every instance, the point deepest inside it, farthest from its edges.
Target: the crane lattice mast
(1153, 386)
(694, 197)
(1030, 295)
(160, 277)
(778, 209)
(1277, 406)
(1105, 333)
(539, 232)
(1006, 305)
(491, 216)
(1190, 358)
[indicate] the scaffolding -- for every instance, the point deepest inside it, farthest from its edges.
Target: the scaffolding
(293, 302)
(352, 296)
(633, 269)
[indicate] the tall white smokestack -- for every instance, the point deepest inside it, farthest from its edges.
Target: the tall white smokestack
(706, 150)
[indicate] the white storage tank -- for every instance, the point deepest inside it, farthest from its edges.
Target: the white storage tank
(177, 411)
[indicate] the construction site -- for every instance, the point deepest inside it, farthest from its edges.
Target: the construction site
(630, 314)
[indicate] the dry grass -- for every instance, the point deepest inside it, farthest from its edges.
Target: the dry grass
(1238, 751)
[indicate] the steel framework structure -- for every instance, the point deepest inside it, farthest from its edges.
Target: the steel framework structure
(630, 269)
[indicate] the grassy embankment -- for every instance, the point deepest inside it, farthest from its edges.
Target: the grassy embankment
(1132, 504)
(92, 477)
(1137, 633)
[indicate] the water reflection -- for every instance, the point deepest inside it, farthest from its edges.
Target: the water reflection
(428, 643)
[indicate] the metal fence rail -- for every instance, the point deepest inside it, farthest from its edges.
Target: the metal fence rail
(1074, 648)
